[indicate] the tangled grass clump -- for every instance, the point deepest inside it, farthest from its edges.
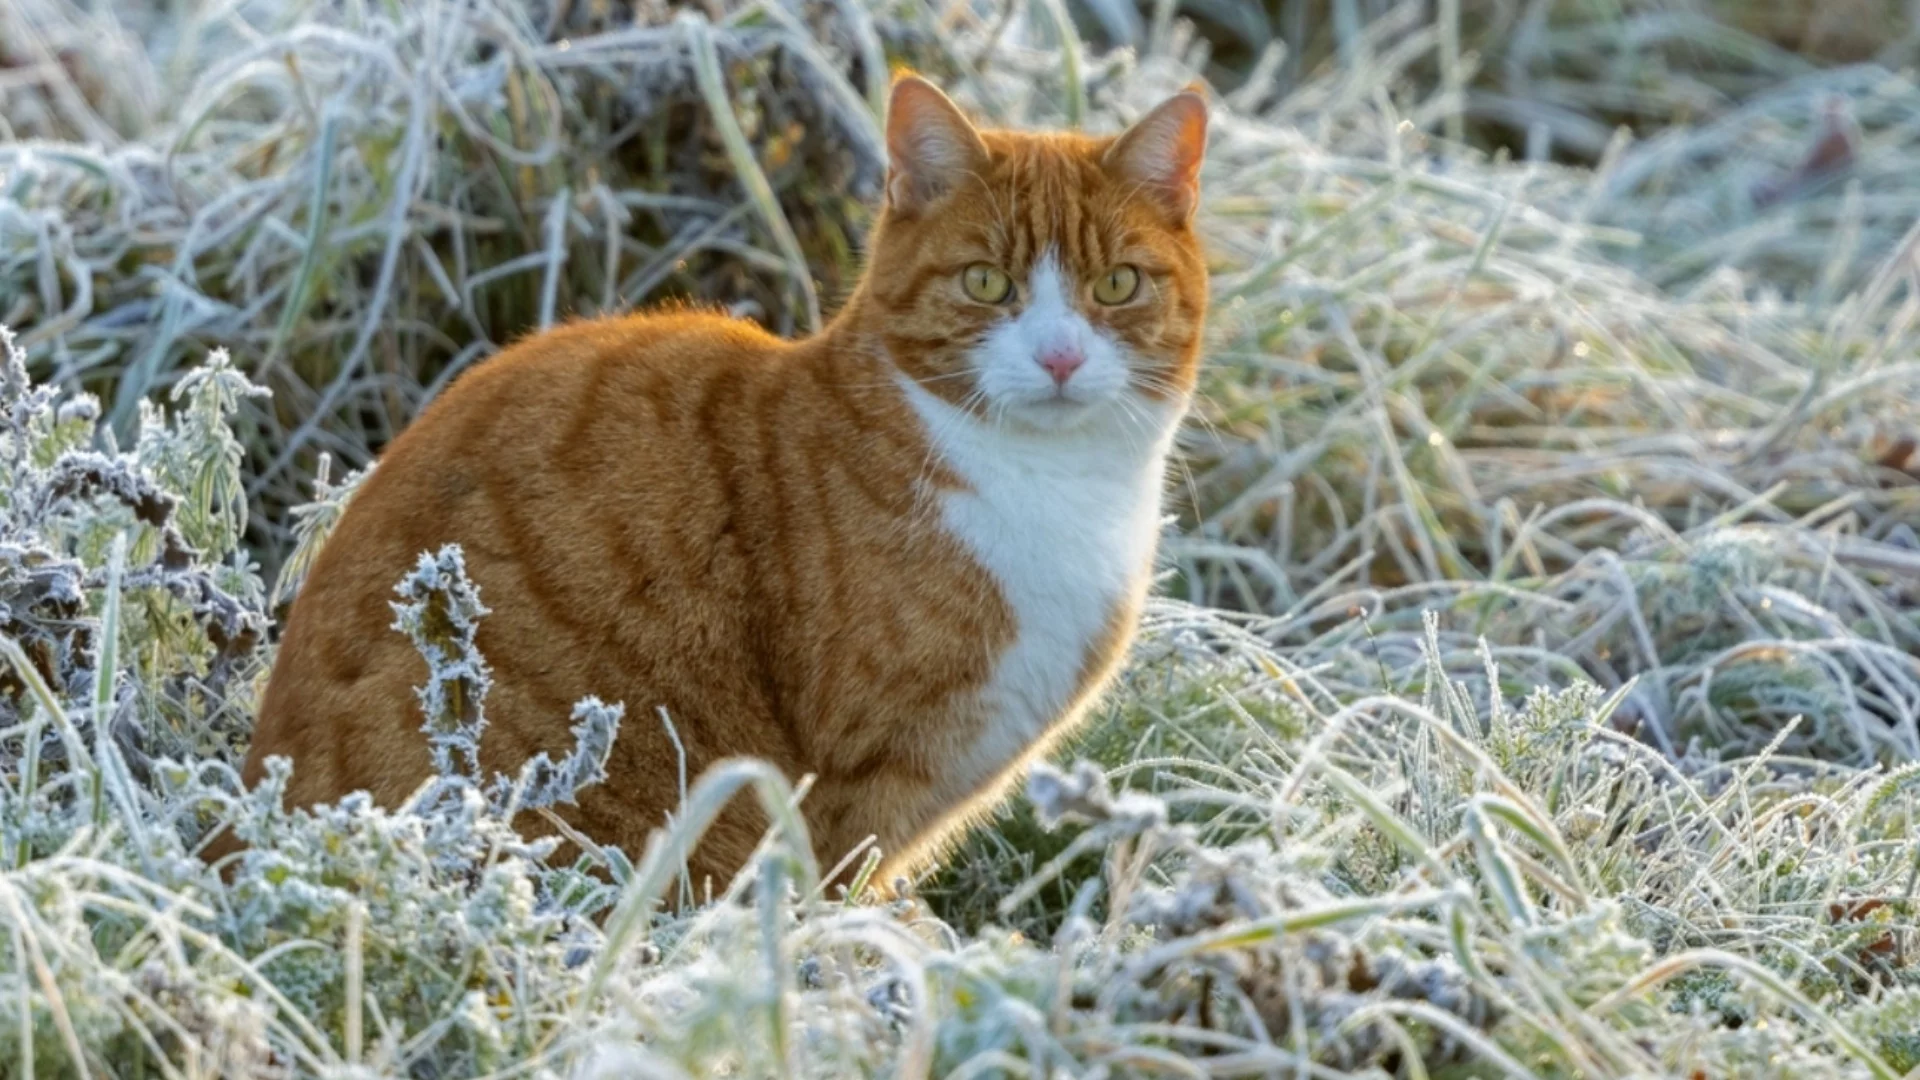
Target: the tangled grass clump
(365, 200)
(1304, 881)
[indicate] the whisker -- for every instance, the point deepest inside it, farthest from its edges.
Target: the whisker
(878, 384)
(1147, 381)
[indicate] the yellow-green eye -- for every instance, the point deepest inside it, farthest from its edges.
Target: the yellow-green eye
(1117, 285)
(986, 283)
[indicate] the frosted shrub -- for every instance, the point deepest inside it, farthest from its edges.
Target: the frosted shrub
(1462, 880)
(1569, 730)
(127, 597)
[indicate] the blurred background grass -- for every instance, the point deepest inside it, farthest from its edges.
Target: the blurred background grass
(1555, 341)
(1590, 323)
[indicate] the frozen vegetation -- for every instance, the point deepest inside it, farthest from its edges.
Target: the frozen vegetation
(1533, 691)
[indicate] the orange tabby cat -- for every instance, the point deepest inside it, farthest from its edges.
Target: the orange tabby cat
(901, 555)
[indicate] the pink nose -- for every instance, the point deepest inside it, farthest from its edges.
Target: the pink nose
(1062, 363)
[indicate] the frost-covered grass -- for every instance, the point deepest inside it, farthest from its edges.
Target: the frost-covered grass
(1534, 691)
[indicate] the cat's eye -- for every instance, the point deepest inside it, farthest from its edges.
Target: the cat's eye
(986, 283)
(1117, 285)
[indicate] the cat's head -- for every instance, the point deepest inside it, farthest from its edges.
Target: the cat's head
(1048, 280)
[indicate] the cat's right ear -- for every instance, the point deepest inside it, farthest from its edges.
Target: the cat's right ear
(931, 146)
(1161, 152)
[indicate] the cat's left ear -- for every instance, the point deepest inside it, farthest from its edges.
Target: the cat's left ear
(1162, 152)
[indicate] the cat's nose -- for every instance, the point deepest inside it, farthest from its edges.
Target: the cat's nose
(1061, 363)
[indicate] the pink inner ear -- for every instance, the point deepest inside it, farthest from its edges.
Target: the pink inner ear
(1164, 150)
(930, 145)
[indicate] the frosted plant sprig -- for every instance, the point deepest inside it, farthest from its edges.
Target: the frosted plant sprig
(544, 782)
(24, 402)
(84, 474)
(440, 610)
(1083, 796)
(198, 453)
(315, 522)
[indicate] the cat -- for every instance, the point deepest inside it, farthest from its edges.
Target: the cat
(902, 555)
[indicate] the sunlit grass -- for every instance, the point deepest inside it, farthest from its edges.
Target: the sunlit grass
(1533, 691)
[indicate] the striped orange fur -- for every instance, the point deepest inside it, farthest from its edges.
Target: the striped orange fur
(901, 555)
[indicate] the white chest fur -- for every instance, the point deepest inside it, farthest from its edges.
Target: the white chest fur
(1066, 524)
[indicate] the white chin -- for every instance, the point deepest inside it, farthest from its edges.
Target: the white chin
(1053, 413)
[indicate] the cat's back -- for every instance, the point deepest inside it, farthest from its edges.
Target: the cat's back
(575, 469)
(565, 422)
(581, 377)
